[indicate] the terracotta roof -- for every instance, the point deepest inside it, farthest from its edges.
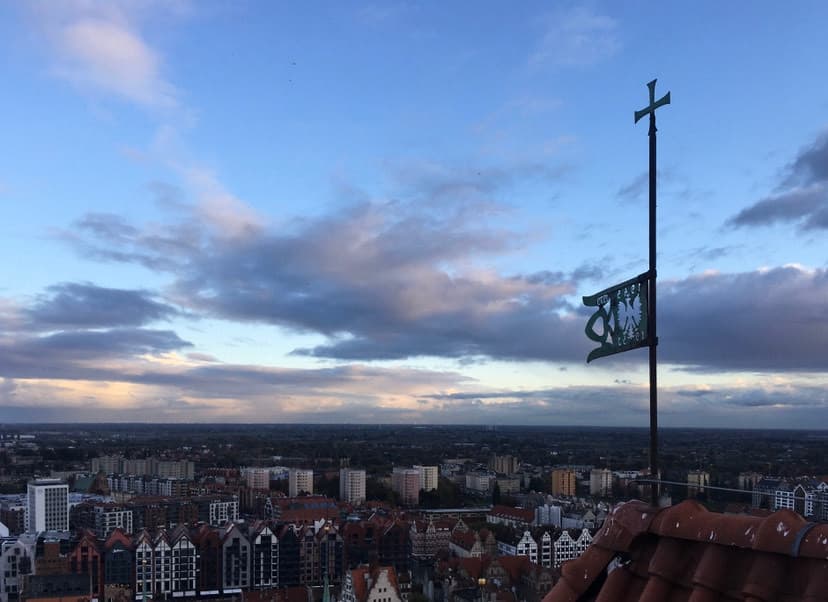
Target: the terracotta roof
(359, 583)
(473, 566)
(465, 540)
(359, 580)
(686, 553)
(516, 566)
(520, 514)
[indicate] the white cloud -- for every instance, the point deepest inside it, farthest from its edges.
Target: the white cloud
(100, 47)
(108, 56)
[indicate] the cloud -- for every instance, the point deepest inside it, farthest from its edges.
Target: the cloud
(395, 280)
(769, 320)
(109, 56)
(73, 305)
(99, 46)
(575, 37)
(803, 194)
(634, 190)
(381, 280)
(82, 354)
(808, 206)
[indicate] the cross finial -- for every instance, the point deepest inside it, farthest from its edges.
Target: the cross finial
(664, 100)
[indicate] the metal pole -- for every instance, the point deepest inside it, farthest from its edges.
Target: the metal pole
(654, 497)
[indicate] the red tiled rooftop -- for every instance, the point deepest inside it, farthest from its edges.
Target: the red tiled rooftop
(521, 514)
(686, 553)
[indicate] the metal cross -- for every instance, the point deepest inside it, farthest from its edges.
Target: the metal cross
(654, 104)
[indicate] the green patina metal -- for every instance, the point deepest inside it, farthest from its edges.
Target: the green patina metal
(654, 104)
(622, 313)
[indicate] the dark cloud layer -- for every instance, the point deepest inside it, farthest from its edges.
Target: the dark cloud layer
(81, 354)
(772, 320)
(803, 194)
(82, 305)
(394, 281)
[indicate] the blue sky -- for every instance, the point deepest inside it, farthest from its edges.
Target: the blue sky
(388, 212)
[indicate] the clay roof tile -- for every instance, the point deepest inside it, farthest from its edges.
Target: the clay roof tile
(687, 553)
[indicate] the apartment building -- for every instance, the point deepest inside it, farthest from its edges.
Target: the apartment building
(352, 485)
(300, 481)
(48, 505)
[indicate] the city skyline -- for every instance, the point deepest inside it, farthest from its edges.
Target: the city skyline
(388, 212)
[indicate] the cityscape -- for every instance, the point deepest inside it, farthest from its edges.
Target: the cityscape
(309, 512)
(411, 301)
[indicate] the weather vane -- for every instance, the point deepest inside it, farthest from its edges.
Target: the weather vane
(627, 311)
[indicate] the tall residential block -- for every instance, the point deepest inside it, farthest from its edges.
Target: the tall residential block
(48, 501)
(352, 485)
(256, 477)
(507, 464)
(300, 481)
(697, 480)
(600, 482)
(406, 482)
(429, 475)
(564, 482)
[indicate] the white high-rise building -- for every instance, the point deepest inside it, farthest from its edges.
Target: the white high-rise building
(428, 477)
(352, 485)
(300, 481)
(406, 482)
(48, 501)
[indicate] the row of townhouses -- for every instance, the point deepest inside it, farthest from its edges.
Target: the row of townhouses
(182, 562)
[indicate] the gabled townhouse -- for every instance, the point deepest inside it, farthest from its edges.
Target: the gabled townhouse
(466, 544)
(371, 585)
(209, 546)
(85, 559)
(430, 537)
(331, 552)
(16, 561)
(264, 556)
(394, 545)
(144, 565)
(235, 559)
(289, 567)
(119, 568)
(570, 545)
(162, 564)
(309, 569)
(185, 565)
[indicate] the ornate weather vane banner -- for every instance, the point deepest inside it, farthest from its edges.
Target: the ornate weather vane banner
(622, 313)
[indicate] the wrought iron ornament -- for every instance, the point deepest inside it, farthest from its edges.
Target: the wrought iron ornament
(622, 313)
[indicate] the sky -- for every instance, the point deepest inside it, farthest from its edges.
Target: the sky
(388, 212)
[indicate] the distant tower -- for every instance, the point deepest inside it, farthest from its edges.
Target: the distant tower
(48, 501)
